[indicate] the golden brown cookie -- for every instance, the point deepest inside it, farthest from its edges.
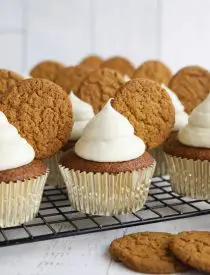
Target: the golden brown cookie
(8, 79)
(191, 84)
(92, 61)
(70, 78)
(120, 64)
(41, 111)
(154, 70)
(99, 86)
(46, 69)
(193, 249)
(146, 252)
(148, 108)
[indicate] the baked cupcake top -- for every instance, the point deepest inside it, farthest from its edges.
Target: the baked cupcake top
(109, 137)
(15, 151)
(181, 117)
(197, 132)
(82, 114)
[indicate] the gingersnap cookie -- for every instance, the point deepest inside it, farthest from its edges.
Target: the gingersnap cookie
(99, 86)
(8, 79)
(70, 78)
(192, 85)
(46, 69)
(154, 70)
(192, 248)
(92, 61)
(146, 252)
(149, 109)
(42, 113)
(120, 64)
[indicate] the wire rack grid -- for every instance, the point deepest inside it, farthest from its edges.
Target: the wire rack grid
(56, 218)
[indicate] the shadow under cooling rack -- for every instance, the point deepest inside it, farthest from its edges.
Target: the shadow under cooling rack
(58, 219)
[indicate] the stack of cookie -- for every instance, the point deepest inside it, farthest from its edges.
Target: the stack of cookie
(163, 253)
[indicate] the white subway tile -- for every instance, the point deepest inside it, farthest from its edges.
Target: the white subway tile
(11, 12)
(11, 51)
(128, 28)
(185, 33)
(58, 30)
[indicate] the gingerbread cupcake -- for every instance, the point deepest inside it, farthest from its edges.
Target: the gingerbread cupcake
(154, 70)
(181, 119)
(22, 178)
(92, 61)
(42, 113)
(119, 64)
(100, 176)
(188, 155)
(46, 69)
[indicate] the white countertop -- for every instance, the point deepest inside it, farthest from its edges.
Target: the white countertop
(84, 254)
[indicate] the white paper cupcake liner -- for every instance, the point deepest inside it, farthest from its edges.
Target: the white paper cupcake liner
(55, 178)
(190, 178)
(107, 194)
(20, 200)
(161, 164)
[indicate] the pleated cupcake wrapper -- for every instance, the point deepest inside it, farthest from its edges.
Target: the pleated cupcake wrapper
(20, 200)
(190, 178)
(55, 178)
(161, 164)
(107, 194)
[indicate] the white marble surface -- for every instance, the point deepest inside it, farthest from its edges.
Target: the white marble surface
(85, 254)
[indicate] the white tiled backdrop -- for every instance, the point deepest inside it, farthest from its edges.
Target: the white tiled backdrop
(176, 31)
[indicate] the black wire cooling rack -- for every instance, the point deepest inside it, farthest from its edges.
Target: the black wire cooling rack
(58, 219)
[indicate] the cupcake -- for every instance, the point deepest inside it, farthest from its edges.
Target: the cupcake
(188, 155)
(42, 113)
(181, 119)
(22, 179)
(108, 172)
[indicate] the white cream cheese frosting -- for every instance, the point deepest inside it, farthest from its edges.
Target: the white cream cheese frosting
(197, 132)
(127, 78)
(109, 137)
(181, 117)
(82, 113)
(15, 151)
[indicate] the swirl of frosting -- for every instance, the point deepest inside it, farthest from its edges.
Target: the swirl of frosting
(15, 151)
(181, 117)
(197, 132)
(126, 78)
(82, 113)
(109, 137)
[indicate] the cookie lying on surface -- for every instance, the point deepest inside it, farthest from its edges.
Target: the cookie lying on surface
(193, 249)
(147, 252)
